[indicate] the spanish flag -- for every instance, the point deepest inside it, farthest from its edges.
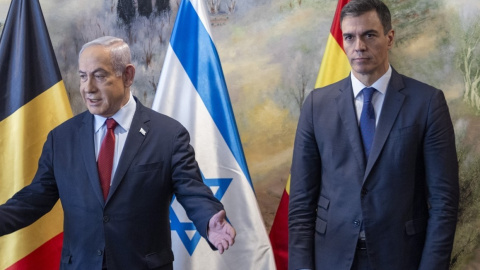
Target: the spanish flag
(33, 101)
(334, 67)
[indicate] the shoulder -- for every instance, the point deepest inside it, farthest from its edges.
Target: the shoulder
(159, 117)
(73, 123)
(159, 121)
(332, 89)
(326, 95)
(411, 86)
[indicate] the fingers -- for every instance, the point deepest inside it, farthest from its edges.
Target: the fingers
(222, 246)
(221, 233)
(220, 249)
(230, 231)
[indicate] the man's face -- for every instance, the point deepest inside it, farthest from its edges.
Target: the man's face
(102, 91)
(366, 46)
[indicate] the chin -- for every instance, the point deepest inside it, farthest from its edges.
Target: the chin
(93, 111)
(362, 71)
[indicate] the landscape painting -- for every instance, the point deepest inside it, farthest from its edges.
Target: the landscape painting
(271, 51)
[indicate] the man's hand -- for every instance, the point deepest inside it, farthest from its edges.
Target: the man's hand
(220, 233)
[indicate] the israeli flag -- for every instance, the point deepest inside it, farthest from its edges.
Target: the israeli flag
(192, 90)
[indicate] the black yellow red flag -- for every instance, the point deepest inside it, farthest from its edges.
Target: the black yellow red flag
(33, 101)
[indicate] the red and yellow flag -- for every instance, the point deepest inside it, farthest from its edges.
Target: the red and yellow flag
(279, 231)
(334, 67)
(33, 101)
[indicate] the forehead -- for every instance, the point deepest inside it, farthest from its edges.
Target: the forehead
(95, 57)
(364, 22)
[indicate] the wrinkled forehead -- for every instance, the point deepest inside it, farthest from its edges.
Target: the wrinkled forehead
(365, 21)
(95, 57)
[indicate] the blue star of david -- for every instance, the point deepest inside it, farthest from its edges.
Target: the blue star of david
(182, 227)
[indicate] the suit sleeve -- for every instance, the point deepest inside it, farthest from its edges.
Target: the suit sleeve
(196, 198)
(441, 174)
(304, 191)
(34, 200)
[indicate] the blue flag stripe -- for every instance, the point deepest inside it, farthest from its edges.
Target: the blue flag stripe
(204, 70)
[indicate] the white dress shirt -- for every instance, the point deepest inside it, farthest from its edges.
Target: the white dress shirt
(378, 96)
(124, 118)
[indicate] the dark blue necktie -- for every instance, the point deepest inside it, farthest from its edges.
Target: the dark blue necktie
(367, 120)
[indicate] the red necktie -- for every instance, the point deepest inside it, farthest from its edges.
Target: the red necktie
(105, 157)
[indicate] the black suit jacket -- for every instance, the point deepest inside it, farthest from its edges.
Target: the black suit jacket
(406, 193)
(132, 225)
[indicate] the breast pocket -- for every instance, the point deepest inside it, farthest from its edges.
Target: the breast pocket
(403, 146)
(147, 167)
(409, 131)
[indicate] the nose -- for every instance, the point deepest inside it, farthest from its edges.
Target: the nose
(88, 85)
(360, 45)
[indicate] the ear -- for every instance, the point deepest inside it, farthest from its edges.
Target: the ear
(390, 37)
(128, 75)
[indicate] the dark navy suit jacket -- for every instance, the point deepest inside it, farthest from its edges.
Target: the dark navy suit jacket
(406, 193)
(132, 226)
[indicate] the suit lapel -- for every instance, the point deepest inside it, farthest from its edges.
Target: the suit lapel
(88, 150)
(346, 110)
(390, 109)
(136, 135)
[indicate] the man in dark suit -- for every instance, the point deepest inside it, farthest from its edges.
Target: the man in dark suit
(374, 179)
(121, 220)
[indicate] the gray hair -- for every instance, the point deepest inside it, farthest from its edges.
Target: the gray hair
(119, 52)
(358, 7)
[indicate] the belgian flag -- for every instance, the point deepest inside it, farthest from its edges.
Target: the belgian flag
(334, 67)
(33, 101)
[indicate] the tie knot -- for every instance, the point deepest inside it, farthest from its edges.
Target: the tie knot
(111, 123)
(367, 94)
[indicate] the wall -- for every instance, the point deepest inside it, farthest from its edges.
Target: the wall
(271, 52)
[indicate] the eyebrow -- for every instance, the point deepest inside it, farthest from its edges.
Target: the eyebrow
(95, 71)
(370, 31)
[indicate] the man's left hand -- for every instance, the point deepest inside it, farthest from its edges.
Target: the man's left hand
(220, 233)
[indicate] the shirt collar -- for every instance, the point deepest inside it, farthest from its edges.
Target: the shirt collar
(123, 117)
(380, 85)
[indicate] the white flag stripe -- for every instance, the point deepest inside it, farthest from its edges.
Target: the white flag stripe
(178, 98)
(202, 12)
(192, 113)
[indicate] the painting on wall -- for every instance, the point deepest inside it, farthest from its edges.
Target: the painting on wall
(271, 52)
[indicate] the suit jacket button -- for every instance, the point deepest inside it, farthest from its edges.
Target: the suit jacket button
(356, 223)
(99, 252)
(106, 219)
(364, 192)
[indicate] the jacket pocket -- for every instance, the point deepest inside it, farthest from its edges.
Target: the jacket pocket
(320, 226)
(66, 259)
(158, 259)
(146, 167)
(66, 255)
(416, 225)
(323, 202)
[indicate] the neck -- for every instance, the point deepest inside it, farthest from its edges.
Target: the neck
(370, 78)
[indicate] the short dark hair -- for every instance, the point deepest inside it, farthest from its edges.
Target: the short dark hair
(358, 7)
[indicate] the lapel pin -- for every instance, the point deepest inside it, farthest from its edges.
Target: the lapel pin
(142, 131)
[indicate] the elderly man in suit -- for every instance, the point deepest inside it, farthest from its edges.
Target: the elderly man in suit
(374, 174)
(115, 168)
